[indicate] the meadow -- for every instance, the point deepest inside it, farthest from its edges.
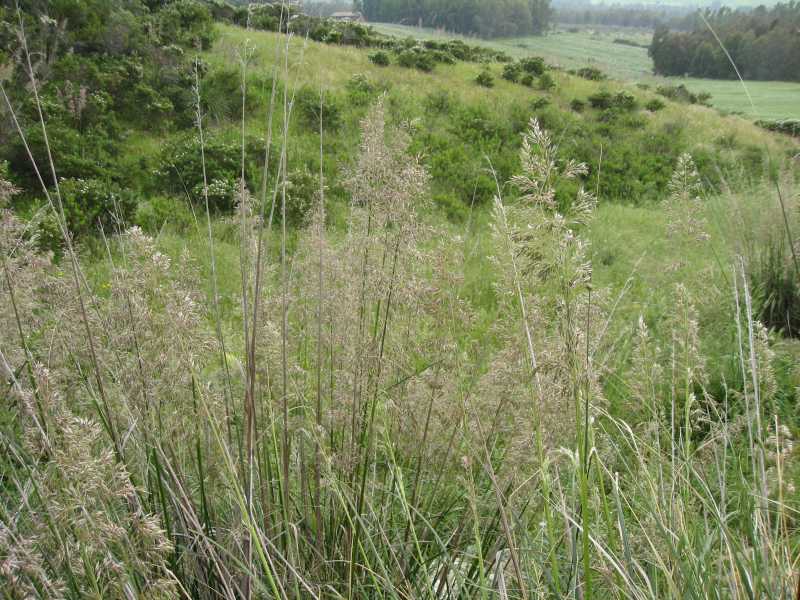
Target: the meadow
(422, 352)
(596, 47)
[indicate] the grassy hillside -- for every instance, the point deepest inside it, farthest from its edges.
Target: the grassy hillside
(373, 337)
(772, 100)
(479, 122)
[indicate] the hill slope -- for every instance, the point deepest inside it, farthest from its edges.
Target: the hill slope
(596, 47)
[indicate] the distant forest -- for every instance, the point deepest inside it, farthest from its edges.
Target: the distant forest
(626, 15)
(498, 18)
(764, 43)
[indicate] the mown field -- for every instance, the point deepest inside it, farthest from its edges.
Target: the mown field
(596, 47)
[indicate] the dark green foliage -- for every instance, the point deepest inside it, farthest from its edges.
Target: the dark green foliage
(621, 101)
(788, 126)
(180, 169)
(360, 90)
(546, 82)
(307, 106)
(485, 79)
(380, 58)
(186, 23)
(439, 102)
(487, 19)
(539, 103)
(639, 15)
(512, 72)
(527, 80)
(104, 67)
(776, 287)
(416, 58)
(655, 105)
(91, 205)
(577, 105)
(591, 73)
(680, 93)
(625, 101)
(762, 43)
(533, 65)
(221, 93)
(601, 100)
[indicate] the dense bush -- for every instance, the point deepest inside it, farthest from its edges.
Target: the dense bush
(788, 126)
(180, 168)
(512, 72)
(591, 73)
(601, 100)
(485, 79)
(533, 65)
(680, 93)
(89, 206)
(105, 67)
(655, 105)
(308, 104)
(577, 105)
(360, 90)
(546, 82)
(380, 58)
(776, 286)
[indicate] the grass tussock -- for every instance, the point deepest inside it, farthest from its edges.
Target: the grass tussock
(350, 424)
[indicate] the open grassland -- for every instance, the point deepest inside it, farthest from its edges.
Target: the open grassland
(772, 99)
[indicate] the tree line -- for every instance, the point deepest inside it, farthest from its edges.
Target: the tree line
(619, 15)
(764, 44)
(485, 18)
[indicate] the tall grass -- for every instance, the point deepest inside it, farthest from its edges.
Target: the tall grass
(346, 432)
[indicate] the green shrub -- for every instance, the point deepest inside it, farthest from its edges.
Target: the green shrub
(680, 93)
(527, 80)
(308, 103)
(655, 105)
(221, 193)
(180, 168)
(443, 57)
(416, 59)
(539, 103)
(186, 22)
(438, 102)
(456, 209)
(360, 90)
(512, 72)
(776, 287)
(485, 79)
(602, 100)
(92, 204)
(577, 105)
(625, 101)
(533, 65)
(425, 62)
(788, 126)
(546, 82)
(380, 58)
(591, 73)
(221, 93)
